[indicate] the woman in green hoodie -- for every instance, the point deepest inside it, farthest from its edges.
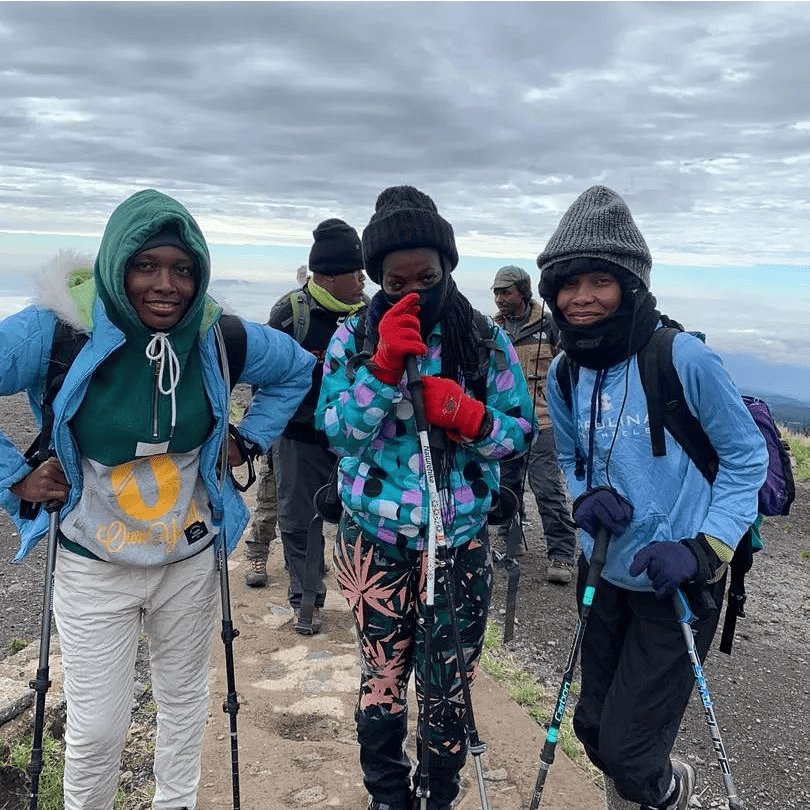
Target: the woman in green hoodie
(139, 424)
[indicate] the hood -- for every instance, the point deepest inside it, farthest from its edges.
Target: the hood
(133, 222)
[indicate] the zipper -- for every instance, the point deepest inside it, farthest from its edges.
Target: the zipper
(156, 404)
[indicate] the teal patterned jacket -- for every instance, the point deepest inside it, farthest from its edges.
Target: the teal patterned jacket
(382, 478)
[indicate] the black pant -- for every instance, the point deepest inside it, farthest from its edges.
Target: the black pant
(636, 683)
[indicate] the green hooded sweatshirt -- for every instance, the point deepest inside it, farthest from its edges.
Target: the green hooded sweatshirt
(123, 406)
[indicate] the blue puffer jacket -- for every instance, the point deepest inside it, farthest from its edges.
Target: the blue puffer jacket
(670, 497)
(274, 363)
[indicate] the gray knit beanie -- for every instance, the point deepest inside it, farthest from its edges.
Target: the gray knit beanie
(599, 225)
(405, 218)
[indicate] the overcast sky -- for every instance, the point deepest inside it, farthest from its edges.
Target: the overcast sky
(265, 118)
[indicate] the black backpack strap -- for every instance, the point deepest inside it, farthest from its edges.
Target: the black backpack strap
(666, 404)
(235, 336)
(567, 376)
(740, 565)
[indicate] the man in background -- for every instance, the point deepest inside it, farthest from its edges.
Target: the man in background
(533, 335)
(302, 461)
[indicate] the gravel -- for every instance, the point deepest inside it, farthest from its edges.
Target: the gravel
(761, 693)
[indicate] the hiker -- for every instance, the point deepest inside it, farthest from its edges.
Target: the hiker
(301, 457)
(263, 527)
(139, 425)
(669, 528)
(535, 339)
(380, 562)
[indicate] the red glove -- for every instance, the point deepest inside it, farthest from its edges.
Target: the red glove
(447, 406)
(399, 337)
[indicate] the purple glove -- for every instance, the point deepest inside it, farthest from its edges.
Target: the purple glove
(668, 565)
(602, 506)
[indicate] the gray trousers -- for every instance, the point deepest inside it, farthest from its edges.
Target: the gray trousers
(301, 469)
(265, 516)
(550, 493)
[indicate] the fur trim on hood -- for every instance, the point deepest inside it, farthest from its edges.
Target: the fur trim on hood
(56, 279)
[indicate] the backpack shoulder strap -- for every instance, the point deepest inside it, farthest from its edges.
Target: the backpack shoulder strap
(567, 376)
(300, 315)
(666, 404)
(235, 336)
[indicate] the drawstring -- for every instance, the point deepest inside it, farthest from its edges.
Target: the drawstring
(596, 418)
(159, 350)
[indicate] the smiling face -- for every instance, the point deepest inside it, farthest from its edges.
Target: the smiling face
(588, 298)
(160, 285)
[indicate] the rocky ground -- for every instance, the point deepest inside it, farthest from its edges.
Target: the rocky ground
(761, 692)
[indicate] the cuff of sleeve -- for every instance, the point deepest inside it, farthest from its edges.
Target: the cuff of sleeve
(720, 548)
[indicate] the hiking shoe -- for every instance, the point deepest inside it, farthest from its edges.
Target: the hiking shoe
(559, 571)
(373, 804)
(308, 629)
(685, 777)
(256, 576)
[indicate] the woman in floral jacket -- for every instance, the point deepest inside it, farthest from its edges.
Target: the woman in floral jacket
(477, 420)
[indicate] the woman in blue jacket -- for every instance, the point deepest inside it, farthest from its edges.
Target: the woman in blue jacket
(669, 527)
(139, 425)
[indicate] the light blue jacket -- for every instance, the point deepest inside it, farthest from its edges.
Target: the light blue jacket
(671, 498)
(274, 363)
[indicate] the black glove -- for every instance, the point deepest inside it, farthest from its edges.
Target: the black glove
(600, 507)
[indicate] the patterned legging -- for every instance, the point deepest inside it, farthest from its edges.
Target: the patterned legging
(385, 588)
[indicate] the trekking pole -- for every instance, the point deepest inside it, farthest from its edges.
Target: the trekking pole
(436, 539)
(597, 562)
(42, 682)
(686, 617)
(231, 704)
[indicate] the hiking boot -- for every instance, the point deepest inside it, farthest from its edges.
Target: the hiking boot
(256, 576)
(308, 629)
(559, 571)
(685, 777)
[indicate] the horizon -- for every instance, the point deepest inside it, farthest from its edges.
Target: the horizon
(741, 320)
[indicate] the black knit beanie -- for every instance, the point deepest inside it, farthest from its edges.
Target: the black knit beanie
(336, 249)
(598, 225)
(168, 235)
(405, 218)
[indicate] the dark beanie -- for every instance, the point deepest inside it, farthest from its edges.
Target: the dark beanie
(168, 235)
(336, 249)
(405, 218)
(598, 225)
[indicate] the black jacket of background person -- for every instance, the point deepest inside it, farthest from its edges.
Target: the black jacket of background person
(322, 325)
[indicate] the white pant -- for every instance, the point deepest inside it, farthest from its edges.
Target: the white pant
(99, 608)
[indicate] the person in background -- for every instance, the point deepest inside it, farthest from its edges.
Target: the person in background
(139, 426)
(301, 457)
(669, 527)
(479, 417)
(534, 337)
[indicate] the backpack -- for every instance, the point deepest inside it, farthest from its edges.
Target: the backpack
(66, 343)
(667, 408)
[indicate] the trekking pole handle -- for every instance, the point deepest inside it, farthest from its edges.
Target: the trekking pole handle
(595, 566)
(415, 387)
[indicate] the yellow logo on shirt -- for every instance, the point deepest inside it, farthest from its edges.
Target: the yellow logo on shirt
(128, 493)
